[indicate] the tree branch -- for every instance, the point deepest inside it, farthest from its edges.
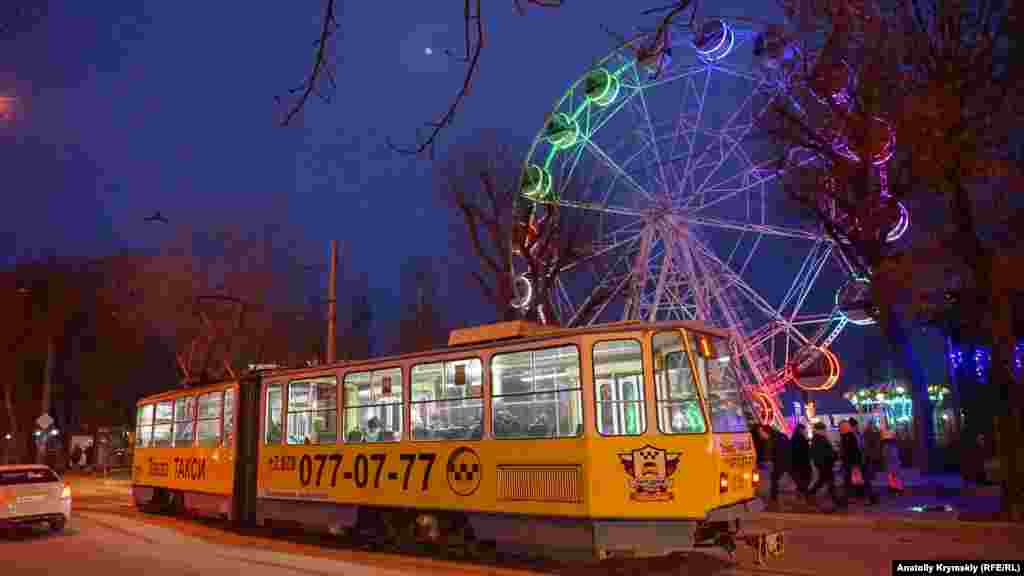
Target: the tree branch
(328, 27)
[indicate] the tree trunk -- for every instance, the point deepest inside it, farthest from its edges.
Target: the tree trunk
(954, 388)
(1009, 433)
(51, 357)
(12, 422)
(924, 435)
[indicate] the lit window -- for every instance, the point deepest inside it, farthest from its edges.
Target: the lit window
(162, 424)
(208, 430)
(144, 426)
(447, 400)
(313, 411)
(679, 410)
(537, 394)
(619, 388)
(373, 406)
(185, 421)
(272, 426)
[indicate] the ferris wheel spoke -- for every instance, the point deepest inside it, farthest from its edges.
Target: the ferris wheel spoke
(646, 114)
(759, 175)
(605, 118)
(767, 229)
(682, 123)
(812, 276)
(812, 319)
(723, 270)
(736, 141)
(601, 252)
(612, 165)
(807, 263)
(684, 72)
(688, 170)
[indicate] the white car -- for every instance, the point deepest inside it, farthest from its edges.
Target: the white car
(33, 494)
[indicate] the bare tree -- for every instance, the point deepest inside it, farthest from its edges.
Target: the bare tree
(932, 72)
(320, 80)
(19, 16)
(482, 185)
(422, 325)
(355, 316)
(222, 299)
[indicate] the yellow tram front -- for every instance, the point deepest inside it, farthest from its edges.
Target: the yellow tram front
(184, 454)
(626, 438)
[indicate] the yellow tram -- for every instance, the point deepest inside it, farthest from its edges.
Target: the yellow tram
(625, 438)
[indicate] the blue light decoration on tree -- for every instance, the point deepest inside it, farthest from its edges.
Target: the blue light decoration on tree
(983, 359)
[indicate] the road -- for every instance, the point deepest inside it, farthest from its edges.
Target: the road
(106, 537)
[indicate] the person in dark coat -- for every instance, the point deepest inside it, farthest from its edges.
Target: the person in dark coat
(800, 458)
(76, 457)
(972, 460)
(824, 458)
(873, 453)
(852, 456)
(778, 449)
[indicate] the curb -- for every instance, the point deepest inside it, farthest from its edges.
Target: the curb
(884, 522)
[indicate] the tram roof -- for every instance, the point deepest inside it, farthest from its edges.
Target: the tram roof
(195, 390)
(515, 332)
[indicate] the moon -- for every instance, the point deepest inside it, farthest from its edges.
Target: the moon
(420, 53)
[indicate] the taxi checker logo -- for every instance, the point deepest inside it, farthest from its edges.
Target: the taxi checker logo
(650, 470)
(464, 471)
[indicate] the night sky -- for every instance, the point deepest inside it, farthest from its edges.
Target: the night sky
(131, 107)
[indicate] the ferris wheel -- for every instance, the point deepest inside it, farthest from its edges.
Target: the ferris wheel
(659, 147)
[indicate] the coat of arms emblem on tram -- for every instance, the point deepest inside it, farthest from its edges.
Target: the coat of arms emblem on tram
(650, 470)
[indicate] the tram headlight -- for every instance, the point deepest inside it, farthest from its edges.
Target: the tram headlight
(723, 483)
(756, 479)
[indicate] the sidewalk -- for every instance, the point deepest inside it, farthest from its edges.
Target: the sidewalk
(937, 502)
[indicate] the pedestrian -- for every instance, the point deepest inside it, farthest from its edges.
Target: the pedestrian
(972, 461)
(76, 456)
(800, 458)
(873, 456)
(824, 458)
(853, 463)
(778, 450)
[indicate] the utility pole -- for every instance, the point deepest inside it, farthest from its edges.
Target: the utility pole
(332, 306)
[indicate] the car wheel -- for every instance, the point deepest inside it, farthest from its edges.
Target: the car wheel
(57, 526)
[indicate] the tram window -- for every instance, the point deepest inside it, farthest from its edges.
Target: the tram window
(619, 388)
(162, 424)
(725, 396)
(447, 400)
(229, 417)
(210, 410)
(313, 411)
(537, 393)
(185, 421)
(272, 425)
(677, 400)
(373, 406)
(144, 426)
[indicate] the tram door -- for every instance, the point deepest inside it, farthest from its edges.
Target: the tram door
(621, 404)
